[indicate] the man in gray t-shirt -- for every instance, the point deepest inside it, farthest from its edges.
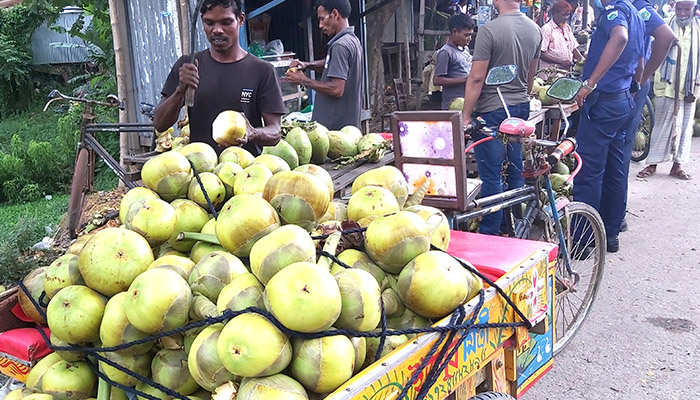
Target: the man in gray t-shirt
(510, 39)
(453, 60)
(339, 91)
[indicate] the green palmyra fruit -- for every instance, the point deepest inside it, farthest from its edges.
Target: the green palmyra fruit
(61, 273)
(158, 300)
(170, 369)
(277, 387)
(371, 201)
(69, 380)
(203, 361)
(116, 329)
(299, 198)
(361, 300)
(249, 345)
(74, 314)
(213, 272)
(243, 221)
(304, 286)
(320, 144)
(323, 364)
(282, 247)
(417, 283)
(284, 151)
(168, 174)
(299, 139)
(388, 177)
(112, 259)
(202, 156)
(394, 240)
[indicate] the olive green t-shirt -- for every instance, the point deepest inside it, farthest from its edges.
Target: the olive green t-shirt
(509, 39)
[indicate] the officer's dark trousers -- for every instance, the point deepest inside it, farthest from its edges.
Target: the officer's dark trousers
(490, 157)
(631, 130)
(601, 136)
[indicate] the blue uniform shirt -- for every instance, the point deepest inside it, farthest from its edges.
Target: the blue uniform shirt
(619, 76)
(651, 19)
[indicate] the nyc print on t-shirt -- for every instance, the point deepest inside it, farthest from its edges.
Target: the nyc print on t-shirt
(246, 95)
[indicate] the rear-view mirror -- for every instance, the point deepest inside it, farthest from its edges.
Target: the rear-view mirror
(501, 75)
(564, 88)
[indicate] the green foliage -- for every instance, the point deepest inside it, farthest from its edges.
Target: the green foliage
(37, 152)
(20, 227)
(16, 27)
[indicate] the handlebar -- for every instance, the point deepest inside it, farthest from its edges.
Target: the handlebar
(112, 100)
(478, 125)
(563, 149)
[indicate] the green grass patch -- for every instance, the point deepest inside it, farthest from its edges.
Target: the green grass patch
(21, 226)
(30, 125)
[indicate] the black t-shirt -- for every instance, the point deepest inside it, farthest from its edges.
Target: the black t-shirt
(249, 85)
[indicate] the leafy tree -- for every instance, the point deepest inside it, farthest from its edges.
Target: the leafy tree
(16, 27)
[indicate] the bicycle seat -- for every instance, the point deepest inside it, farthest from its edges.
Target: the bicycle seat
(517, 127)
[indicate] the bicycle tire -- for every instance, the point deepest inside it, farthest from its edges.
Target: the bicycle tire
(646, 125)
(580, 223)
(492, 396)
(78, 190)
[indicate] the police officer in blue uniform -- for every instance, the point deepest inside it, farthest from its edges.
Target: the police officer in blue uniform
(654, 54)
(614, 55)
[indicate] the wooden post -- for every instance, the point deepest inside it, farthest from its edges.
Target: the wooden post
(421, 30)
(128, 142)
(407, 8)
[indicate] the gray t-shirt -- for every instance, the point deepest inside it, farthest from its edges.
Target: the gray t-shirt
(344, 61)
(452, 62)
(509, 39)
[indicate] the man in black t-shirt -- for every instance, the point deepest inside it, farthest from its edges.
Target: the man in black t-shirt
(226, 77)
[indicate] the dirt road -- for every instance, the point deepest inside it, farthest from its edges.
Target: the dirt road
(642, 339)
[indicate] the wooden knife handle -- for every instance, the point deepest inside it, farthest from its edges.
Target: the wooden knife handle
(189, 96)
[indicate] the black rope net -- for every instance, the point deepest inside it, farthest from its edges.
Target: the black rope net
(458, 324)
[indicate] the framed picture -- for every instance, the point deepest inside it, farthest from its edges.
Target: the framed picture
(429, 147)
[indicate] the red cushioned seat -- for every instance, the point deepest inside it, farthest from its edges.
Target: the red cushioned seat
(25, 344)
(495, 256)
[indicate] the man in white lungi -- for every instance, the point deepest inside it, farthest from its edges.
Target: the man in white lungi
(673, 131)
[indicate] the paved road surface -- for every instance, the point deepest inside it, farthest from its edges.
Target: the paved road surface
(642, 339)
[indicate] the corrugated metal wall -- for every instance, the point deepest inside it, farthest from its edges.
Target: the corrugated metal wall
(154, 34)
(51, 47)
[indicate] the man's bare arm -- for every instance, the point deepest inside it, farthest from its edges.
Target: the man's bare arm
(268, 135)
(473, 88)
(532, 71)
(168, 110)
(445, 81)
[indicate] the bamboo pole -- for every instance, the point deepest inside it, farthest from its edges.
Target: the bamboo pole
(128, 143)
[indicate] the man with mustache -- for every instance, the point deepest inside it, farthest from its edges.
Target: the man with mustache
(338, 98)
(225, 77)
(667, 143)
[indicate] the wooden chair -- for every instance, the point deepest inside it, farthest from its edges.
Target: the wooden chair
(400, 100)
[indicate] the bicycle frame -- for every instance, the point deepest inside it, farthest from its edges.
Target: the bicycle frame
(90, 143)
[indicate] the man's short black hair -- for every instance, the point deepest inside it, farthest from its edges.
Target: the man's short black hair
(460, 22)
(343, 6)
(235, 4)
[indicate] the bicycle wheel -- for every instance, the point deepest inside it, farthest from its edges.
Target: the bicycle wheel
(642, 138)
(78, 190)
(575, 292)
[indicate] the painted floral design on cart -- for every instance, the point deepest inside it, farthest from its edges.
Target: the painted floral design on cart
(427, 139)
